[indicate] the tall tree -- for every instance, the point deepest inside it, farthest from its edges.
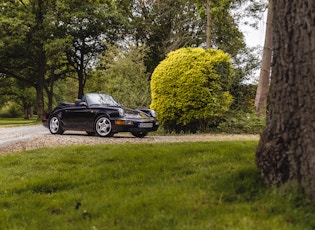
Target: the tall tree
(286, 150)
(164, 26)
(223, 33)
(221, 30)
(208, 29)
(168, 25)
(22, 35)
(88, 27)
(263, 84)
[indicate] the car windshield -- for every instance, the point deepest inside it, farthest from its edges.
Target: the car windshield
(100, 99)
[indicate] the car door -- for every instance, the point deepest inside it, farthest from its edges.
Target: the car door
(78, 118)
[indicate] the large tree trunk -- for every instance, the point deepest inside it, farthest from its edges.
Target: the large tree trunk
(41, 72)
(81, 84)
(49, 88)
(208, 30)
(81, 74)
(40, 99)
(263, 84)
(40, 59)
(286, 151)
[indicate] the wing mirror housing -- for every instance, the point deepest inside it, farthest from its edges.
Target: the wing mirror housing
(83, 103)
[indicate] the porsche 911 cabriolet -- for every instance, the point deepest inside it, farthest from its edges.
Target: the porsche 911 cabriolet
(102, 115)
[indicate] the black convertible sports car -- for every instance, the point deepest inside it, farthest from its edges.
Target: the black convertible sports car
(100, 114)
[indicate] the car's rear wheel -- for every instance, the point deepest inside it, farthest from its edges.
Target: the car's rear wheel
(55, 126)
(103, 127)
(139, 134)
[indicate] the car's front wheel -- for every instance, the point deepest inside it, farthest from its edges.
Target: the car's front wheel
(103, 127)
(139, 134)
(55, 126)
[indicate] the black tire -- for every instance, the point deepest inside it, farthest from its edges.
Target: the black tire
(103, 127)
(139, 134)
(55, 126)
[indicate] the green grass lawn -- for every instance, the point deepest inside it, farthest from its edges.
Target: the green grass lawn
(17, 121)
(210, 185)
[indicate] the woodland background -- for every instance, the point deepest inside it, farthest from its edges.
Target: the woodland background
(52, 51)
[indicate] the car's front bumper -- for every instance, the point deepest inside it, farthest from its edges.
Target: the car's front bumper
(134, 126)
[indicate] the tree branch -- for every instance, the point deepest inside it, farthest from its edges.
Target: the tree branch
(13, 75)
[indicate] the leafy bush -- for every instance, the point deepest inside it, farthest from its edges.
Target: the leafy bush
(244, 97)
(11, 110)
(243, 123)
(189, 89)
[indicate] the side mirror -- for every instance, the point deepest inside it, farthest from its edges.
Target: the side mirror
(82, 103)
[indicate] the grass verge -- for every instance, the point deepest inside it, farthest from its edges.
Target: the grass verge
(213, 185)
(6, 122)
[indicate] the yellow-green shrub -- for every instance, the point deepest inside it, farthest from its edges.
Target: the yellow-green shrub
(190, 88)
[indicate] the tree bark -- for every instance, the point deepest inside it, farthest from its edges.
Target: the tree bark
(41, 60)
(40, 98)
(263, 84)
(49, 88)
(208, 30)
(286, 151)
(81, 83)
(81, 72)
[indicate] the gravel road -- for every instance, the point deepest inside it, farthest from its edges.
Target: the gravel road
(17, 139)
(13, 135)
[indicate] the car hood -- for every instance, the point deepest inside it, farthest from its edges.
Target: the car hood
(135, 113)
(128, 112)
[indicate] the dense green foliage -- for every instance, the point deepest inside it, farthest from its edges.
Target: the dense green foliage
(165, 26)
(242, 123)
(22, 41)
(11, 110)
(88, 27)
(44, 43)
(123, 74)
(211, 185)
(190, 88)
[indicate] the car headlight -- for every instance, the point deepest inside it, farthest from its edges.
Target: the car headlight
(153, 113)
(121, 112)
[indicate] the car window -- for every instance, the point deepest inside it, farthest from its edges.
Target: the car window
(100, 99)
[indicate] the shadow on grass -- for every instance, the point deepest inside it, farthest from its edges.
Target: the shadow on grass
(241, 185)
